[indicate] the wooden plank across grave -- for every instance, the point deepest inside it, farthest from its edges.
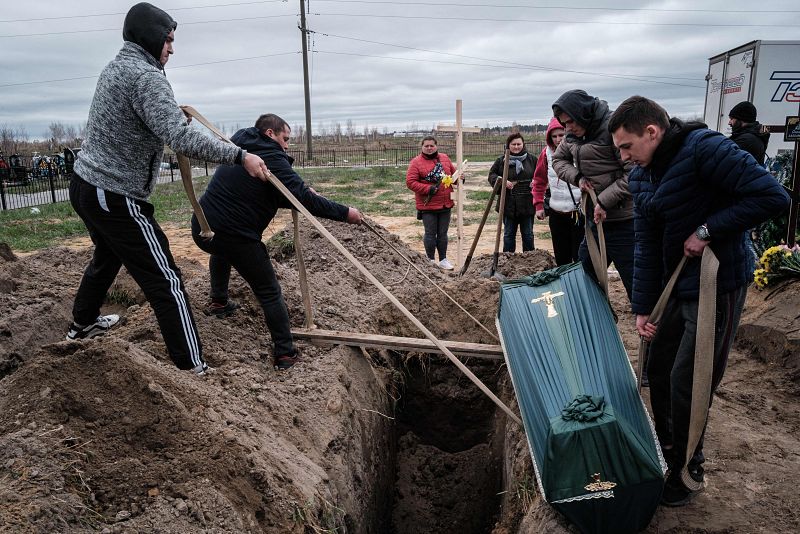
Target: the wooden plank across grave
(411, 344)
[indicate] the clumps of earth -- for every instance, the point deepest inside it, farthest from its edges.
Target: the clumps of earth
(108, 436)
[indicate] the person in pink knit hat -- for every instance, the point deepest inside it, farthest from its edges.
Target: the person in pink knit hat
(557, 200)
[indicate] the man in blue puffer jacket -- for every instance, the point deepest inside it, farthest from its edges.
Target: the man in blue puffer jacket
(692, 188)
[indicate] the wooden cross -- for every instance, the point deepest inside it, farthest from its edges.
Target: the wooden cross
(548, 297)
(458, 178)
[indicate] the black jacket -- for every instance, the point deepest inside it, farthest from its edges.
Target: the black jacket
(751, 139)
(240, 206)
(519, 200)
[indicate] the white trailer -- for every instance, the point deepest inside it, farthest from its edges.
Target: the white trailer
(766, 73)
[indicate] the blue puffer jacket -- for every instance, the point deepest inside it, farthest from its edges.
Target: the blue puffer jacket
(697, 176)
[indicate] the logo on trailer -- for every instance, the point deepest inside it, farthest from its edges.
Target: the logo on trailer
(788, 89)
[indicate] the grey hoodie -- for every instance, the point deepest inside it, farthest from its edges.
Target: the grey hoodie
(134, 114)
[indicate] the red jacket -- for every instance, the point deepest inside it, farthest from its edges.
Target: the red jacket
(418, 169)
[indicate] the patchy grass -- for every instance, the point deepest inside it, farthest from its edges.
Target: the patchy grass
(25, 231)
(374, 191)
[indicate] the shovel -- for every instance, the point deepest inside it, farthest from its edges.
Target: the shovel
(492, 273)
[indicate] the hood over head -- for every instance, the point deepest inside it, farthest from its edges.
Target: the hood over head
(148, 26)
(554, 123)
(588, 111)
(255, 142)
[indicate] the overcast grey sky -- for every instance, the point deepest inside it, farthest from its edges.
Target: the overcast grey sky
(496, 55)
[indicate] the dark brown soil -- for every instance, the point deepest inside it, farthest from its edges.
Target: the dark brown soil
(107, 436)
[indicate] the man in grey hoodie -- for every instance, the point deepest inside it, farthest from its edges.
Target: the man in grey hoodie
(132, 116)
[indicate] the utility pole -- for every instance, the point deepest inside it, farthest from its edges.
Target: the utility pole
(304, 34)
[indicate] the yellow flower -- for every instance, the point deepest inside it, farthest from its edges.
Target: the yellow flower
(447, 181)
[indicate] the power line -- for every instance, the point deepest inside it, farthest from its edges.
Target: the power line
(438, 3)
(171, 68)
(125, 13)
(633, 78)
(499, 60)
(561, 7)
(542, 21)
(120, 29)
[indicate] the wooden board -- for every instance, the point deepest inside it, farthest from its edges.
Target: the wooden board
(356, 339)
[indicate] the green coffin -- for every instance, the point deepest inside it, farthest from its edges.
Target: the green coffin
(593, 445)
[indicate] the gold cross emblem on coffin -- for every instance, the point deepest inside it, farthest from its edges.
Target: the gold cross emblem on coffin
(547, 297)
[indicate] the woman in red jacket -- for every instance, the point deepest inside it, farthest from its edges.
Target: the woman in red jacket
(424, 178)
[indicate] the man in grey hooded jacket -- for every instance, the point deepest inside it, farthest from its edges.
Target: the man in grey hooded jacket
(132, 116)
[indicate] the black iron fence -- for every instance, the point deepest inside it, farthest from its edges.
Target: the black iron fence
(396, 156)
(33, 180)
(29, 181)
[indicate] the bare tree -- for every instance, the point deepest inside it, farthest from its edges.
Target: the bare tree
(57, 134)
(337, 131)
(322, 130)
(6, 139)
(351, 130)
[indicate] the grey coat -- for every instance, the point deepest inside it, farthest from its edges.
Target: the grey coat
(132, 116)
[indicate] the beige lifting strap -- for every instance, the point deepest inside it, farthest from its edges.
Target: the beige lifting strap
(597, 253)
(369, 276)
(703, 351)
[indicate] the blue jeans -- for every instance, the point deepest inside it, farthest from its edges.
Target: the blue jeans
(510, 224)
(619, 249)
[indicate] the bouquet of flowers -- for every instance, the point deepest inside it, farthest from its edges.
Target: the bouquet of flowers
(777, 263)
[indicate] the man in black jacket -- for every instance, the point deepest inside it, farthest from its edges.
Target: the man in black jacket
(747, 132)
(239, 208)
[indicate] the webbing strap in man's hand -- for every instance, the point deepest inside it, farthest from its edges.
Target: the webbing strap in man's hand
(655, 318)
(597, 253)
(703, 352)
(703, 360)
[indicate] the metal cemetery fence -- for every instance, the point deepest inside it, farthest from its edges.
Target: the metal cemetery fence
(33, 180)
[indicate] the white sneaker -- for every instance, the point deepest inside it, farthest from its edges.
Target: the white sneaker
(203, 369)
(432, 262)
(100, 326)
(446, 265)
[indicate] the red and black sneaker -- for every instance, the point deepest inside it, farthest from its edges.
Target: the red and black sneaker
(286, 361)
(220, 310)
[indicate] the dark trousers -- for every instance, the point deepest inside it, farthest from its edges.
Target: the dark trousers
(566, 235)
(251, 260)
(436, 225)
(619, 249)
(510, 224)
(670, 368)
(124, 232)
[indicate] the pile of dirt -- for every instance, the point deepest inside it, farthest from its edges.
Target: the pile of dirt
(107, 436)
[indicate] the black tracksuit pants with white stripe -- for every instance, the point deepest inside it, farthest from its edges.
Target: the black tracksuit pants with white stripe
(124, 232)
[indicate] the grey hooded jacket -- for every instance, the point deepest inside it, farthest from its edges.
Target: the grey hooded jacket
(132, 116)
(593, 156)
